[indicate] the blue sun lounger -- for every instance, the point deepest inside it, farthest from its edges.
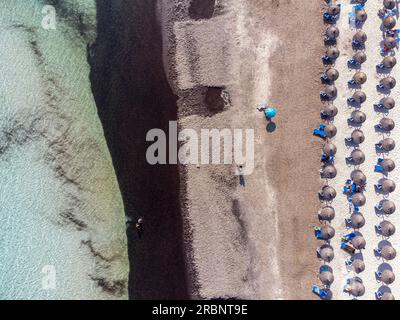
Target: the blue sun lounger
(318, 234)
(348, 237)
(359, 6)
(379, 168)
(319, 292)
(327, 159)
(319, 133)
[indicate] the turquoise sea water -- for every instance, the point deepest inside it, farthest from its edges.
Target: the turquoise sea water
(60, 206)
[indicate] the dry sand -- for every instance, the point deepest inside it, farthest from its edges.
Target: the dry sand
(253, 242)
(372, 28)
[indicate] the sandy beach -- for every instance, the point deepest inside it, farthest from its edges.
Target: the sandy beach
(73, 150)
(253, 242)
(372, 28)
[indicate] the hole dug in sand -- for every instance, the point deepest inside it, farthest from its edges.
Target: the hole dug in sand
(201, 9)
(214, 99)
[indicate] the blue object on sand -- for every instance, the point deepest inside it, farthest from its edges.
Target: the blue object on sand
(319, 133)
(359, 6)
(320, 293)
(379, 168)
(270, 113)
(349, 236)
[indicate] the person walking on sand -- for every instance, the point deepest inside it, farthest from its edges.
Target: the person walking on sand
(241, 177)
(139, 226)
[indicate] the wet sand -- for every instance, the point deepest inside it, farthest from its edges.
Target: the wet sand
(133, 96)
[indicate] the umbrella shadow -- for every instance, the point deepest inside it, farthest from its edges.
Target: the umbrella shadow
(384, 266)
(381, 130)
(353, 104)
(358, 46)
(271, 126)
(382, 289)
(330, 42)
(381, 110)
(381, 151)
(381, 244)
(383, 71)
(354, 124)
(353, 86)
(351, 143)
(383, 90)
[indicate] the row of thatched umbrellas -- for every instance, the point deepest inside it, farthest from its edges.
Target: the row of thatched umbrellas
(385, 228)
(327, 213)
(357, 157)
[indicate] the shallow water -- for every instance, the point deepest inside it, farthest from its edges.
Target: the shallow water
(60, 205)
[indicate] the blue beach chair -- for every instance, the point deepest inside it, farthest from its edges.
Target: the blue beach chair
(319, 292)
(348, 237)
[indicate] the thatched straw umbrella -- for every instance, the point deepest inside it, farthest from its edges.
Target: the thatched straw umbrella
(388, 206)
(358, 199)
(333, 10)
(389, 22)
(358, 265)
(358, 177)
(329, 149)
(387, 229)
(360, 57)
(388, 103)
(360, 77)
(389, 4)
(327, 232)
(361, 15)
(326, 277)
(330, 130)
(388, 165)
(359, 96)
(388, 296)
(357, 136)
(388, 185)
(389, 42)
(358, 156)
(329, 110)
(388, 83)
(357, 220)
(328, 193)
(387, 124)
(358, 242)
(332, 32)
(326, 253)
(331, 91)
(388, 276)
(332, 53)
(327, 213)
(358, 117)
(332, 74)
(389, 62)
(357, 289)
(329, 172)
(388, 252)
(388, 144)
(360, 36)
